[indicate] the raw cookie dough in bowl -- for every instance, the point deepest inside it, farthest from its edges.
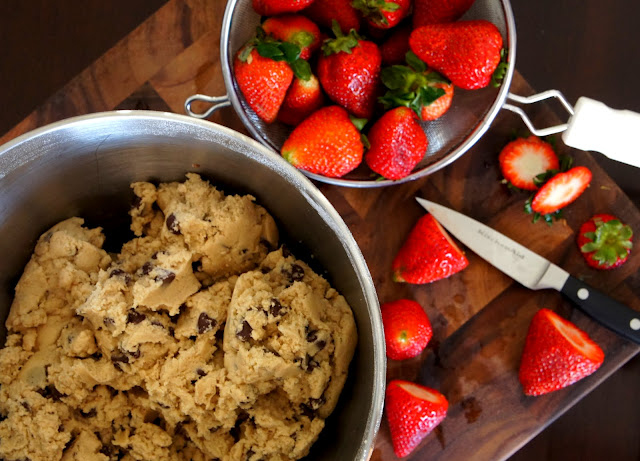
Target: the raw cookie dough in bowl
(220, 326)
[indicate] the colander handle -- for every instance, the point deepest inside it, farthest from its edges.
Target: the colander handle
(217, 102)
(592, 126)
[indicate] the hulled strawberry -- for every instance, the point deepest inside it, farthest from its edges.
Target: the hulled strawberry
(428, 254)
(425, 91)
(561, 190)
(349, 72)
(604, 241)
(397, 143)
(556, 354)
(383, 14)
(413, 411)
(274, 7)
(327, 143)
(466, 52)
(395, 47)
(324, 12)
(407, 329)
(438, 11)
(296, 29)
(523, 159)
(303, 98)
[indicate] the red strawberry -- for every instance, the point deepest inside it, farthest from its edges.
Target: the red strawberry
(556, 354)
(296, 29)
(561, 190)
(324, 12)
(349, 72)
(605, 242)
(394, 48)
(413, 411)
(274, 7)
(524, 159)
(327, 143)
(428, 254)
(466, 52)
(438, 11)
(383, 14)
(262, 81)
(397, 143)
(425, 91)
(302, 98)
(407, 329)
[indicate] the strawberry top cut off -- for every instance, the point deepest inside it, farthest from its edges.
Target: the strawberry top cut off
(605, 242)
(523, 159)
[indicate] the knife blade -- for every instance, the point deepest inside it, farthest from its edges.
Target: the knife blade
(535, 272)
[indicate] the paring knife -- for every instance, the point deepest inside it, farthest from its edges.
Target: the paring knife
(535, 272)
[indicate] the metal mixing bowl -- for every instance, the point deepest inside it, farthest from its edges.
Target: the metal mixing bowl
(83, 167)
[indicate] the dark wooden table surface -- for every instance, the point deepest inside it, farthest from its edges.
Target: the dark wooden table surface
(581, 48)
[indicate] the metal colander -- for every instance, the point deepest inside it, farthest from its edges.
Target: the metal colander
(450, 136)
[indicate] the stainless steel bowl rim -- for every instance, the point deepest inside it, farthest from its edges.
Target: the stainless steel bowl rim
(203, 129)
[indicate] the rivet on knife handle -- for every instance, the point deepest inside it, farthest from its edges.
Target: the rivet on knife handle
(614, 315)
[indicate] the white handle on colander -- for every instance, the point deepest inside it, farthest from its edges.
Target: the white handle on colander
(592, 126)
(614, 133)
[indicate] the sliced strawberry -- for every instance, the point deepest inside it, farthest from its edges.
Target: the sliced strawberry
(556, 354)
(561, 190)
(407, 329)
(605, 242)
(428, 254)
(524, 159)
(413, 411)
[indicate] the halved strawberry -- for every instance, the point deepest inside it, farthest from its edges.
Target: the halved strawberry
(413, 411)
(524, 159)
(561, 190)
(556, 354)
(605, 242)
(428, 254)
(407, 329)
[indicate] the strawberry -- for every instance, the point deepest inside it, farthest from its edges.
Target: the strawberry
(383, 14)
(349, 72)
(296, 29)
(556, 354)
(303, 97)
(324, 12)
(415, 86)
(428, 254)
(327, 143)
(407, 329)
(605, 242)
(413, 411)
(524, 159)
(397, 143)
(274, 7)
(466, 52)
(395, 47)
(561, 190)
(438, 11)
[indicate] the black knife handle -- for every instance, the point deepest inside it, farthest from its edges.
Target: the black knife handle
(609, 312)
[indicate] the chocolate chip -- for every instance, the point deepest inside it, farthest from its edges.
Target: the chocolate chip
(135, 354)
(2, 417)
(60, 428)
(297, 273)
(205, 323)
(265, 270)
(312, 335)
(120, 273)
(97, 356)
(90, 414)
(154, 255)
(119, 356)
(307, 411)
(275, 307)
(200, 372)
(26, 406)
(108, 321)
(137, 201)
(173, 225)
(146, 268)
(157, 323)
(135, 317)
(311, 364)
(165, 276)
(50, 392)
(245, 333)
(321, 344)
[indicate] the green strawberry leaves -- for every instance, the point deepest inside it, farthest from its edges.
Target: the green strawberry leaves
(410, 85)
(269, 47)
(501, 71)
(342, 43)
(374, 9)
(610, 241)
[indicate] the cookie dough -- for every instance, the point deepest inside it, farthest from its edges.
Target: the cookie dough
(201, 339)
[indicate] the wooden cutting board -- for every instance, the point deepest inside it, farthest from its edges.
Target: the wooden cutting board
(480, 316)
